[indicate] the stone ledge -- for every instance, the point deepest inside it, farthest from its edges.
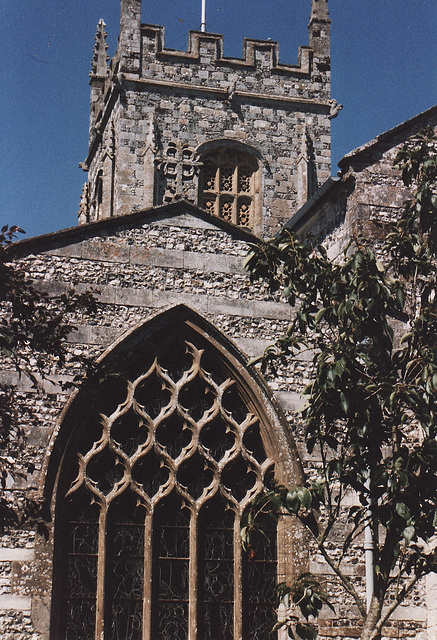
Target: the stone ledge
(321, 568)
(290, 400)
(16, 555)
(156, 298)
(15, 603)
(222, 94)
(410, 614)
(24, 384)
(148, 256)
(252, 347)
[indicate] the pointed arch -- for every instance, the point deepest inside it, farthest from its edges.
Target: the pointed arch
(230, 182)
(156, 459)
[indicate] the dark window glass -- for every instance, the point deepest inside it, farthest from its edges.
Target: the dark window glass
(259, 580)
(216, 571)
(81, 572)
(124, 569)
(171, 542)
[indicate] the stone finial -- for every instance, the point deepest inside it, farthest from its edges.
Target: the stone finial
(319, 11)
(99, 63)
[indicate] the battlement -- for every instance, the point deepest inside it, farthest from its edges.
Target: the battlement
(207, 48)
(204, 66)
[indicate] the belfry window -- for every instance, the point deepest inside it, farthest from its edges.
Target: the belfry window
(228, 186)
(148, 540)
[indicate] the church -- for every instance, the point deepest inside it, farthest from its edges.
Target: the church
(148, 468)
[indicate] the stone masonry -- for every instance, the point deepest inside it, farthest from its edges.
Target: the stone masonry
(152, 102)
(138, 266)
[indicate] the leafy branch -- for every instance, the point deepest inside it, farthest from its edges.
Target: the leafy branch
(371, 404)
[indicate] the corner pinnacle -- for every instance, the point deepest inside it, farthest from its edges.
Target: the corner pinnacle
(319, 11)
(99, 63)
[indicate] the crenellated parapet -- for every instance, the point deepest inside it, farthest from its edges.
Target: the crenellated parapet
(258, 71)
(208, 48)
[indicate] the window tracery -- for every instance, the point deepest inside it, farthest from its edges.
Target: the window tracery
(228, 186)
(154, 510)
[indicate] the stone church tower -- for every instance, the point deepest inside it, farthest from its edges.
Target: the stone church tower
(246, 139)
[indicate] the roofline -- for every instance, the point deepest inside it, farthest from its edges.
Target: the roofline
(304, 212)
(386, 135)
(44, 242)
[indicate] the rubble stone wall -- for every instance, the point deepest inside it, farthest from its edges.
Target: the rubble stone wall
(136, 272)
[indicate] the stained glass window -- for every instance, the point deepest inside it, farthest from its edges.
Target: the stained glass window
(124, 569)
(171, 570)
(259, 577)
(153, 507)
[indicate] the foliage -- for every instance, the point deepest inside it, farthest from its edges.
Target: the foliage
(33, 332)
(371, 404)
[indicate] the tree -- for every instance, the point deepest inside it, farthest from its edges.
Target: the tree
(371, 403)
(33, 332)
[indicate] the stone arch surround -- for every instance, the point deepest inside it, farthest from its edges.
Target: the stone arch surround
(130, 349)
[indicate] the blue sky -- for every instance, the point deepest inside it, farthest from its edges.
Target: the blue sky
(384, 61)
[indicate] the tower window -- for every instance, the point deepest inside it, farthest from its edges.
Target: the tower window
(228, 186)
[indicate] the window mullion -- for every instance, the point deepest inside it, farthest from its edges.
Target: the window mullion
(193, 571)
(238, 579)
(101, 570)
(235, 194)
(147, 593)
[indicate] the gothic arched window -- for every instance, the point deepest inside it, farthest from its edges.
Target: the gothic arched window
(150, 498)
(229, 185)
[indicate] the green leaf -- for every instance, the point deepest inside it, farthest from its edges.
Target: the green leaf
(409, 533)
(319, 315)
(400, 296)
(403, 511)
(306, 631)
(380, 266)
(292, 502)
(340, 366)
(344, 403)
(304, 496)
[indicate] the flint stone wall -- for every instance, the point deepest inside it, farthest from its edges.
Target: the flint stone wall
(136, 270)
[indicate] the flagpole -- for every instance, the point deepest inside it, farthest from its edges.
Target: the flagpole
(203, 21)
